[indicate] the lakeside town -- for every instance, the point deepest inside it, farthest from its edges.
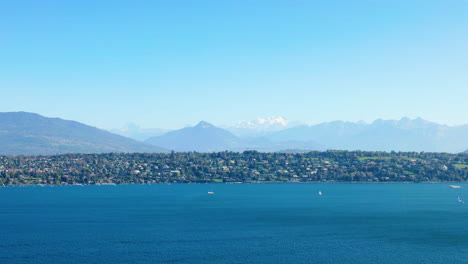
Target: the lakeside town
(233, 167)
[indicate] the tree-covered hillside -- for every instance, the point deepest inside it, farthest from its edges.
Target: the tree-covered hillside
(249, 166)
(33, 134)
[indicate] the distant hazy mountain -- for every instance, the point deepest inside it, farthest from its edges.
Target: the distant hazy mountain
(206, 137)
(259, 126)
(132, 130)
(203, 137)
(385, 135)
(31, 134)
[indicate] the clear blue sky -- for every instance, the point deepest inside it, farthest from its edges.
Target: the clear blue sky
(172, 63)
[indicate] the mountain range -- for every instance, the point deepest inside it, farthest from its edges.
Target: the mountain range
(381, 135)
(33, 134)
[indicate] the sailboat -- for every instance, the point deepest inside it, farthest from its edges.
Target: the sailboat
(459, 200)
(210, 191)
(319, 193)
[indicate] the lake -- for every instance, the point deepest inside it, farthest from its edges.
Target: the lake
(240, 223)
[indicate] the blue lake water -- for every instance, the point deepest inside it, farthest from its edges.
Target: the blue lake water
(241, 223)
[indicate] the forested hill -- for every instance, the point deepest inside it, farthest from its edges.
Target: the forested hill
(32, 134)
(249, 166)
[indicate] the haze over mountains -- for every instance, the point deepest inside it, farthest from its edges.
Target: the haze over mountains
(254, 128)
(205, 137)
(134, 131)
(381, 135)
(31, 134)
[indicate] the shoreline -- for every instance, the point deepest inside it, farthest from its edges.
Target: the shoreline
(219, 183)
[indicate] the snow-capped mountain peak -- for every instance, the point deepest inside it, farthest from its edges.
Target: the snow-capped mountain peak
(259, 126)
(263, 123)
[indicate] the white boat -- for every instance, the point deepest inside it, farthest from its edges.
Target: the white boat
(459, 200)
(319, 193)
(210, 192)
(455, 186)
